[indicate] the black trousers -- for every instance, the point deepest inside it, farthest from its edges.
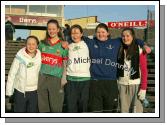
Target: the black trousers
(77, 96)
(25, 103)
(103, 96)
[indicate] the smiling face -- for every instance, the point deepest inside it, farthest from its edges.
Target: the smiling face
(127, 37)
(102, 34)
(76, 35)
(52, 30)
(31, 45)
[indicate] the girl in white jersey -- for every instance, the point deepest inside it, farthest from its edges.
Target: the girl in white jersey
(78, 73)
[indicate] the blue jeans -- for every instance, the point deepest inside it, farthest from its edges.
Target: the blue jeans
(25, 103)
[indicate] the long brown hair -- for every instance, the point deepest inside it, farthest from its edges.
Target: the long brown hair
(132, 48)
(132, 54)
(60, 35)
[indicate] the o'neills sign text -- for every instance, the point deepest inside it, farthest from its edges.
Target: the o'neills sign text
(124, 24)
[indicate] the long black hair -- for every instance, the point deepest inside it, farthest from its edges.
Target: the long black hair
(132, 53)
(60, 35)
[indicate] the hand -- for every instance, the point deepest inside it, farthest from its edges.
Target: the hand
(142, 94)
(147, 49)
(9, 98)
(64, 44)
(8, 104)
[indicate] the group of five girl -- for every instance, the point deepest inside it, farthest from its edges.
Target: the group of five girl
(101, 72)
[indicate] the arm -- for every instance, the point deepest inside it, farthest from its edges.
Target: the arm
(139, 42)
(11, 76)
(144, 73)
(65, 45)
(88, 41)
(40, 58)
(143, 45)
(65, 54)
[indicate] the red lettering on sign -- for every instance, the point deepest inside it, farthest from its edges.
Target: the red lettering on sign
(141, 23)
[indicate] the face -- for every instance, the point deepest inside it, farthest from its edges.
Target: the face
(31, 45)
(102, 34)
(76, 35)
(52, 30)
(127, 37)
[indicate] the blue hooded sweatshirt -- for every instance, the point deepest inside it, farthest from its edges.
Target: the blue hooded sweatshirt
(103, 56)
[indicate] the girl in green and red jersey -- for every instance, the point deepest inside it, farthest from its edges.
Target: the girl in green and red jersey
(50, 95)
